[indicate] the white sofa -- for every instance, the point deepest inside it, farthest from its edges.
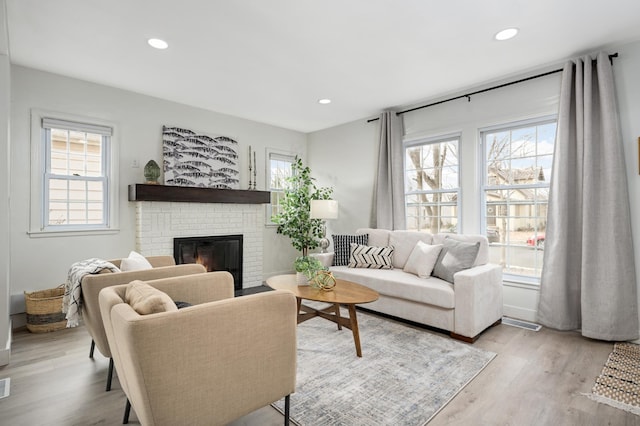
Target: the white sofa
(465, 308)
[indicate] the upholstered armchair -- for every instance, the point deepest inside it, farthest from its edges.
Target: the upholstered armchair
(206, 364)
(163, 267)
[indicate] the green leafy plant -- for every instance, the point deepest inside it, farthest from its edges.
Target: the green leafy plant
(293, 218)
(308, 266)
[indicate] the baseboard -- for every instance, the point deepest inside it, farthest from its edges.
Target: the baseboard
(520, 313)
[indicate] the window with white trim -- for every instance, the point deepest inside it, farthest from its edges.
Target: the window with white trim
(516, 169)
(74, 177)
(432, 184)
(278, 170)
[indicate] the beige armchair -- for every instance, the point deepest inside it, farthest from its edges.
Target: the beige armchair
(206, 364)
(163, 267)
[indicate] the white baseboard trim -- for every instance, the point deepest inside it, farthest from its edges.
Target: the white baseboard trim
(520, 313)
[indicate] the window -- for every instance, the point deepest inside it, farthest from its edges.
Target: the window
(278, 170)
(432, 185)
(73, 182)
(516, 172)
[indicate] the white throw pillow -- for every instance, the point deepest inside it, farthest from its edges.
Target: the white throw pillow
(422, 259)
(135, 262)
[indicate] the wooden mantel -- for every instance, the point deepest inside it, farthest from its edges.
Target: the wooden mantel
(190, 194)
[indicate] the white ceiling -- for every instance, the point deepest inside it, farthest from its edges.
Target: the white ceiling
(271, 60)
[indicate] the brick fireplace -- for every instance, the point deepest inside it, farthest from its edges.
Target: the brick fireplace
(159, 222)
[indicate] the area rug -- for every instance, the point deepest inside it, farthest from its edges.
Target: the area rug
(619, 383)
(405, 376)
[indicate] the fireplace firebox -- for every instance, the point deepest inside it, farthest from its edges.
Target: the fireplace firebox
(215, 253)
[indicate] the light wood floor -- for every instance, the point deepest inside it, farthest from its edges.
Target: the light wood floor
(538, 378)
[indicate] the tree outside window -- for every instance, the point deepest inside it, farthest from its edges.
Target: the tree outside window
(432, 185)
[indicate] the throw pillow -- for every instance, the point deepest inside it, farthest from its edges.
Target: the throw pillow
(455, 257)
(422, 259)
(181, 305)
(370, 257)
(342, 248)
(145, 299)
(135, 262)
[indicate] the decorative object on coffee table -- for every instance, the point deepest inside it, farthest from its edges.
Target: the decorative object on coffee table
(151, 172)
(195, 159)
(323, 280)
(306, 268)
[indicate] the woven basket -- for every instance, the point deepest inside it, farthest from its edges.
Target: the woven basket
(44, 310)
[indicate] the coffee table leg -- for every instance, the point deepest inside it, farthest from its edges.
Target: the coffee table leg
(336, 306)
(354, 328)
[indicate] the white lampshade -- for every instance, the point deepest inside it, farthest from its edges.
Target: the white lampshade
(324, 209)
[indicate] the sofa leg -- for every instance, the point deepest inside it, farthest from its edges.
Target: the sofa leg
(93, 346)
(286, 410)
(127, 411)
(463, 338)
(110, 374)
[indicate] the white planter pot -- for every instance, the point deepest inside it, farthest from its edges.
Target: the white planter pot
(301, 279)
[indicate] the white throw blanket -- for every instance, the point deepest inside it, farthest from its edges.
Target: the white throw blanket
(71, 302)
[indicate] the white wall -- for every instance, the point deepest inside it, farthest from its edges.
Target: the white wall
(345, 156)
(5, 90)
(39, 263)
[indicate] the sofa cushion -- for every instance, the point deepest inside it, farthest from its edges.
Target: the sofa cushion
(398, 284)
(483, 253)
(377, 237)
(370, 257)
(404, 242)
(455, 257)
(145, 299)
(135, 262)
(422, 259)
(342, 248)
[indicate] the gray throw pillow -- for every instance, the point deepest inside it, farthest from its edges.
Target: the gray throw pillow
(455, 257)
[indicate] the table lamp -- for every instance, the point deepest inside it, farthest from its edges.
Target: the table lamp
(324, 209)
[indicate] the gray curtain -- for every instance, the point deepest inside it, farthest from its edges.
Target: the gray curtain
(589, 279)
(388, 206)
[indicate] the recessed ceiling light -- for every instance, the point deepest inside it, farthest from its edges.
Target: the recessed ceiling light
(157, 43)
(506, 34)
(324, 101)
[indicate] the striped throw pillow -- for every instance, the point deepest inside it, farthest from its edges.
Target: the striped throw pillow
(370, 257)
(341, 247)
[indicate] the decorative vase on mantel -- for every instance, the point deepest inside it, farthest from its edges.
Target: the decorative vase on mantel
(151, 172)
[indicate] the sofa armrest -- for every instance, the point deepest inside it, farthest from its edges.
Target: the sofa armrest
(478, 299)
(325, 258)
(220, 351)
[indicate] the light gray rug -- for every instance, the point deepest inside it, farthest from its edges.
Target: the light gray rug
(405, 375)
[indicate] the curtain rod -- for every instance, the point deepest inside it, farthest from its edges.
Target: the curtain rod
(468, 95)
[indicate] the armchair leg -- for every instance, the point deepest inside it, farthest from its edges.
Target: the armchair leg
(93, 346)
(286, 410)
(110, 374)
(127, 411)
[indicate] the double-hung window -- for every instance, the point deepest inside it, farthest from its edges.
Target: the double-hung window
(278, 170)
(432, 184)
(76, 182)
(516, 171)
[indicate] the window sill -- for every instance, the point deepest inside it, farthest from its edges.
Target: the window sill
(69, 233)
(519, 282)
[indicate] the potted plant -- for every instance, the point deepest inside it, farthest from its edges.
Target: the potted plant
(293, 218)
(306, 268)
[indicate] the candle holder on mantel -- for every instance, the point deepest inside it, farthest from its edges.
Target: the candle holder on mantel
(252, 184)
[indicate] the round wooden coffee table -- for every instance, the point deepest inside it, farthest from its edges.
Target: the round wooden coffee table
(344, 293)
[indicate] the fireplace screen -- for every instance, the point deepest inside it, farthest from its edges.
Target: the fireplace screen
(215, 253)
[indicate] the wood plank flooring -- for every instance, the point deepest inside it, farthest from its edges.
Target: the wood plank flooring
(538, 378)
